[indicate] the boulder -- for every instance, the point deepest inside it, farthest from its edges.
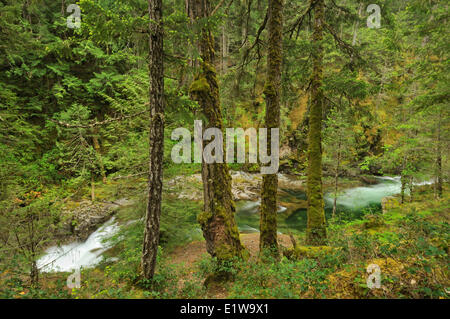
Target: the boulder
(299, 252)
(369, 180)
(373, 221)
(87, 216)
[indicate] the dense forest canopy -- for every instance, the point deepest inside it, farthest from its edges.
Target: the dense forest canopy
(357, 89)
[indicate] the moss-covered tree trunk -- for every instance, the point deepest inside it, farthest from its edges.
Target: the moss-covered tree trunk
(316, 228)
(92, 187)
(411, 189)
(224, 50)
(217, 219)
(156, 136)
(403, 178)
(336, 175)
(272, 91)
(439, 157)
(34, 273)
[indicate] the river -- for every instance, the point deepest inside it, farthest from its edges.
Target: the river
(352, 203)
(79, 254)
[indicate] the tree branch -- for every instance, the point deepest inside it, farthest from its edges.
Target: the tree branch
(297, 24)
(347, 48)
(217, 7)
(258, 34)
(105, 122)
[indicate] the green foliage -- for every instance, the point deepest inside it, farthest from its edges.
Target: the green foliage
(73, 109)
(285, 279)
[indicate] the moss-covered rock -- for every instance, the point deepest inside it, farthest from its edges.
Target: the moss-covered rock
(300, 252)
(373, 221)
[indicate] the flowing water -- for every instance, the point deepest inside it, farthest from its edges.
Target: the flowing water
(351, 204)
(79, 254)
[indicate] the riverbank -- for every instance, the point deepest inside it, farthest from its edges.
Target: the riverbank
(408, 242)
(80, 238)
(374, 237)
(82, 216)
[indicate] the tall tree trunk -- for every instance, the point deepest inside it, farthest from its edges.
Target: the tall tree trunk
(224, 51)
(356, 25)
(336, 177)
(403, 187)
(156, 136)
(439, 158)
(34, 273)
(99, 154)
(403, 178)
(217, 219)
(435, 188)
(92, 188)
(316, 228)
(244, 26)
(272, 91)
(411, 189)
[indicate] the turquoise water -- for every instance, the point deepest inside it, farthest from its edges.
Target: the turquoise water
(352, 204)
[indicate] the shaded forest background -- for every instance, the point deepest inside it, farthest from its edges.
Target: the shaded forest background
(388, 85)
(74, 102)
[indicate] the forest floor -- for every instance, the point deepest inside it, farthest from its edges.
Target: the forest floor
(409, 242)
(193, 252)
(190, 255)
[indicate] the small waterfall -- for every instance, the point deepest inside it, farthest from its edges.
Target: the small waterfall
(78, 254)
(88, 253)
(359, 197)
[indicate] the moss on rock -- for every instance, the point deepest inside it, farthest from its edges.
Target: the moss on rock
(373, 221)
(300, 252)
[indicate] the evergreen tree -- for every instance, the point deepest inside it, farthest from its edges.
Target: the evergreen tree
(217, 219)
(272, 91)
(316, 227)
(156, 139)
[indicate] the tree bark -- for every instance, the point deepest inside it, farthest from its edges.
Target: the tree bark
(92, 188)
(217, 219)
(356, 24)
(316, 228)
(336, 177)
(156, 136)
(403, 180)
(99, 154)
(439, 158)
(34, 274)
(224, 51)
(411, 189)
(272, 91)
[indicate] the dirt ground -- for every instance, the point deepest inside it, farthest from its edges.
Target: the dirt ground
(187, 256)
(194, 251)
